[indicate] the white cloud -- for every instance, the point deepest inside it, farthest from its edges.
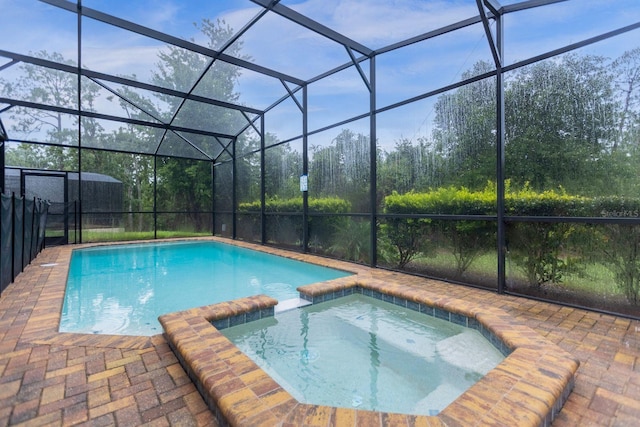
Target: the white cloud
(377, 23)
(123, 60)
(162, 14)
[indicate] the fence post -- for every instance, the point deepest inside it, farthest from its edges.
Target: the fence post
(13, 236)
(24, 231)
(32, 255)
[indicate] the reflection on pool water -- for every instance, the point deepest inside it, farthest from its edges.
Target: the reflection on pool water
(122, 289)
(364, 353)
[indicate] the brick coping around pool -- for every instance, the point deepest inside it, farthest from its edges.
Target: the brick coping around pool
(527, 389)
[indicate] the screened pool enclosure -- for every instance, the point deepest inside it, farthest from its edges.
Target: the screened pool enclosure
(484, 142)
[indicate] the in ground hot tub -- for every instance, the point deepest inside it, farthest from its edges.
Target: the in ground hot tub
(528, 388)
(365, 353)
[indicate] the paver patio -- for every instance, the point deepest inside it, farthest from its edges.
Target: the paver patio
(51, 378)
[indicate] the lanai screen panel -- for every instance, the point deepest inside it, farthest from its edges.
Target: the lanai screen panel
(127, 101)
(22, 19)
(339, 166)
(339, 97)
(284, 121)
(177, 19)
(258, 90)
(117, 51)
(535, 31)
(380, 23)
(280, 44)
(52, 127)
(431, 64)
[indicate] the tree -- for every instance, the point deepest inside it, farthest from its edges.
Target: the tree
(410, 167)
(560, 124)
(187, 184)
(49, 87)
(627, 70)
(464, 129)
(342, 169)
(626, 148)
(283, 167)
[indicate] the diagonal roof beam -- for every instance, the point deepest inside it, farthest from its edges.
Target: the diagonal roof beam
(363, 76)
(126, 99)
(124, 81)
(314, 26)
(74, 112)
(431, 34)
(8, 64)
(412, 40)
(493, 6)
(252, 123)
(492, 42)
(130, 102)
(293, 96)
(224, 47)
(186, 140)
(163, 37)
(290, 94)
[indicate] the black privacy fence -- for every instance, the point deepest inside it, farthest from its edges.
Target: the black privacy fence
(22, 235)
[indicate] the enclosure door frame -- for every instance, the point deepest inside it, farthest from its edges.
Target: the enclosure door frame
(24, 173)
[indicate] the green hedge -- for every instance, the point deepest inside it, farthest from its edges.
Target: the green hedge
(445, 200)
(413, 237)
(321, 228)
(539, 249)
(294, 205)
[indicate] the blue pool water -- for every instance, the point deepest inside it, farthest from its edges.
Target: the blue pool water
(122, 289)
(364, 353)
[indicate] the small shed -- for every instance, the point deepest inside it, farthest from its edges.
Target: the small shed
(100, 193)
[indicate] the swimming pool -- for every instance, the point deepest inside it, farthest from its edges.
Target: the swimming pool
(360, 352)
(122, 289)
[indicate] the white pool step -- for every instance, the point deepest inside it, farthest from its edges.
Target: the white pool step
(290, 304)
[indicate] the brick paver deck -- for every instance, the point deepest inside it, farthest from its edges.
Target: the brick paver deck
(51, 378)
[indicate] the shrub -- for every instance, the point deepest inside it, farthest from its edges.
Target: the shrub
(289, 211)
(413, 236)
(620, 243)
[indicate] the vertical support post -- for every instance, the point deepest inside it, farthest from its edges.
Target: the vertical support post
(13, 236)
(305, 170)
(23, 234)
(76, 213)
(263, 187)
(155, 196)
(66, 228)
(496, 44)
(234, 190)
(33, 230)
(2, 148)
(76, 221)
(373, 165)
(213, 198)
(500, 164)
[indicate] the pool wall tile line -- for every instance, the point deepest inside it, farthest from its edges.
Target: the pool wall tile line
(527, 389)
(242, 318)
